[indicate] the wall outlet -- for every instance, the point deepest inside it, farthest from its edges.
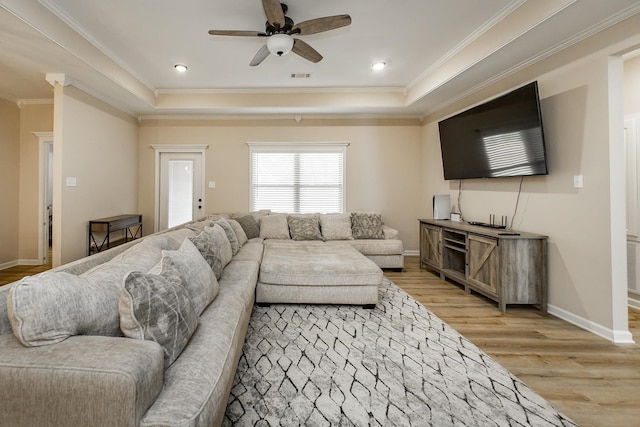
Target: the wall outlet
(578, 181)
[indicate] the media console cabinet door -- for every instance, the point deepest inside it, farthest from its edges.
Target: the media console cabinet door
(484, 263)
(430, 245)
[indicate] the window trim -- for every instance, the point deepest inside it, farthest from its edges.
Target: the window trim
(262, 146)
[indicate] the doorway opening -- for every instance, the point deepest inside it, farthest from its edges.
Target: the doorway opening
(45, 197)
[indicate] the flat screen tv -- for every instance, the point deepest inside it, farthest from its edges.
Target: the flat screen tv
(500, 138)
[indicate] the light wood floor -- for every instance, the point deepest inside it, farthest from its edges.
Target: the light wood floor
(591, 380)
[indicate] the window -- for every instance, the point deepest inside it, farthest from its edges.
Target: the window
(297, 177)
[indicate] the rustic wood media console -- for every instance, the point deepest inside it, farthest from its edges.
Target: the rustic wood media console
(507, 266)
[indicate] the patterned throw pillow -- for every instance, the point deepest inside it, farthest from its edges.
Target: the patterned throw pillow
(366, 225)
(274, 227)
(214, 248)
(157, 308)
(231, 234)
(52, 306)
(336, 226)
(222, 246)
(199, 279)
(249, 225)
(304, 227)
(240, 234)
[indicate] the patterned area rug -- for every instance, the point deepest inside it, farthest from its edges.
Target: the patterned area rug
(395, 365)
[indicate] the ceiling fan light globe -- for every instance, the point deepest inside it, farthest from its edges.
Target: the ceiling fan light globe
(280, 44)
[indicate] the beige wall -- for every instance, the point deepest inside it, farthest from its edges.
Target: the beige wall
(97, 145)
(33, 118)
(575, 102)
(383, 162)
(632, 85)
(9, 161)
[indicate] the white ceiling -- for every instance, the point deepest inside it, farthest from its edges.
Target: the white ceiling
(123, 52)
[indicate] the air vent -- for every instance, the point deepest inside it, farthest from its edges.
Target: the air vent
(300, 75)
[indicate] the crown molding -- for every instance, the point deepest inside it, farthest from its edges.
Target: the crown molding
(22, 102)
(280, 90)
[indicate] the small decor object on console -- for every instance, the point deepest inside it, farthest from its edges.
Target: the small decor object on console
(455, 217)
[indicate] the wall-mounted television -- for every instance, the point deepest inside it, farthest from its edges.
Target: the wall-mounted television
(499, 138)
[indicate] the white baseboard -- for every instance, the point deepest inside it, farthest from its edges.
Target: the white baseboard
(616, 336)
(633, 303)
(411, 253)
(8, 264)
(29, 262)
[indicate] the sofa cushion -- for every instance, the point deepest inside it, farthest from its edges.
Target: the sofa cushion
(274, 227)
(249, 225)
(199, 280)
(240, 234)
(214, 247)
(336, 226)
(366, 225)
(231, 235)
(304, 227)
(158, 308)
(52, 306)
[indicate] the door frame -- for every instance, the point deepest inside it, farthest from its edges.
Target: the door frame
(45, 139)
(171, 148)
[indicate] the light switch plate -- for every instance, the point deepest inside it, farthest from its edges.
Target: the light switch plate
(212, 184)
(71, 181)
(578, 181)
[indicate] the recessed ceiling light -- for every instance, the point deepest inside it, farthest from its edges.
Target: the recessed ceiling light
(377, 66)
(180, 68)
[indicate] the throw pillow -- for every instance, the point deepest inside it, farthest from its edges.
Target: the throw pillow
(240, 234)
(214, 248)
(199, 279)
(274, 227)
(366, 225)
(231, 234)
(222, 245)
(249, 225)
(336, 226)
(304, 227)
(52, 306)
(199, 226)
(157, 308)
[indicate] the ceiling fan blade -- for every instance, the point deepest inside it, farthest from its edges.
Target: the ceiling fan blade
(236, 33)
(273, 12)
(260, 56)
(319, 25)
(307, 52)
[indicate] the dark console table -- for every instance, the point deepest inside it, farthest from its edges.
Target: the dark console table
(507, 266)
(100, 231)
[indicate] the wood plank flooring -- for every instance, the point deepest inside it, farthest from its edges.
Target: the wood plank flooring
(591, 380)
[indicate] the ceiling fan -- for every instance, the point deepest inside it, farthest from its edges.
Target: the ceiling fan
(279, 30)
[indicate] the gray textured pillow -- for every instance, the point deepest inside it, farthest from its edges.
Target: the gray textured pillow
(240, 234)
(366, 225)
(274, 227)
(249, 225)
(214, 247)
(157, 308)
(231, 235)
(199, 279)
(52, 306)
(336, 226)
(222, 245)
(304, 227)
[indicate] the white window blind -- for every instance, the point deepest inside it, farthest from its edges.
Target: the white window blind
(298, 178)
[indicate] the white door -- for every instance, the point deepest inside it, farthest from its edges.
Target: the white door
(181, 195)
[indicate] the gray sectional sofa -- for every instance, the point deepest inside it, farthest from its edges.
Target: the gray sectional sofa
(152, 335)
